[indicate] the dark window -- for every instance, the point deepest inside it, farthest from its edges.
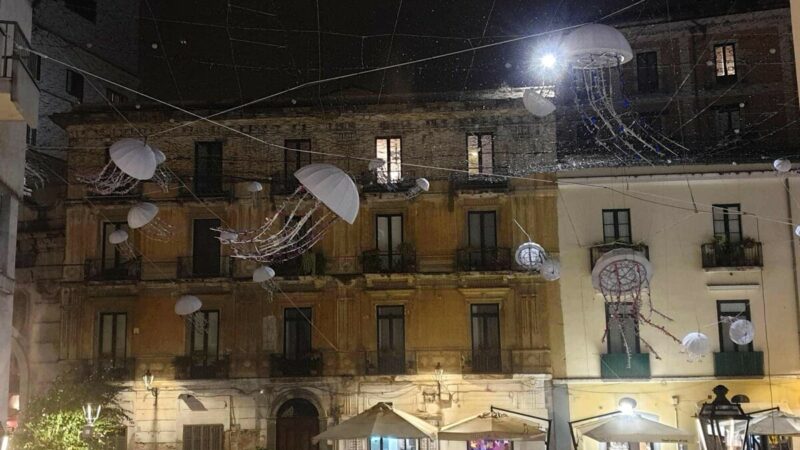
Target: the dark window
(84, 8)
(35, 65)
(389, 150)
(115, 97)
(727, 312)
(728, 120)
(391, 339)
(208, 168)
(203, 437)
(206, 258)
(623, 328)
(292, 161)
(480, 153)
(388, 240)
(482, 238)
(725, 62)
(485, 337)
(113, 336)
(647, 72)
(75, 84)
(727, 223)
(296, 333)
(584, 135)
(204, 336)
(30, 135)
(616, 225)
(113, 258)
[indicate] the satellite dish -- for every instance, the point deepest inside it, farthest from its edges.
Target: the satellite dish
(254, 186)
(141, 214)
(536, 104)
(117, 237)
(187, 304)
(333, 187)
(134, 158)
(263, 273)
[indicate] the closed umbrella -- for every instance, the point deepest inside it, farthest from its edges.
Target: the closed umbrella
(633, 428)
(775, 423)
(381, 420)
(493, 425)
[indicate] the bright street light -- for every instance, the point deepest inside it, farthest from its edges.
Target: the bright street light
(549, 61)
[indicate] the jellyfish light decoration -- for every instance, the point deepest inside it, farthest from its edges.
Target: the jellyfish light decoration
(131, 161)
(420, 185)
(782, 165)
(742, 332)
(325, 191)
(254, 188)
(161, 176)
(696, 345)
(596, 53)
(143, 217)
(188, 307)
(622, 276)
(120, 240)
(264, 276)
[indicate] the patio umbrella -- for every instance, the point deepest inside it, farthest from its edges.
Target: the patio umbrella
(633, 428)
(493, 425)
(380, 420)
(776, 423)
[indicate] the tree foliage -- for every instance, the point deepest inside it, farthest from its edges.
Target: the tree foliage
(54, 420)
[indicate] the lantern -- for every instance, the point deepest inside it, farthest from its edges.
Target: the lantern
(724, 424)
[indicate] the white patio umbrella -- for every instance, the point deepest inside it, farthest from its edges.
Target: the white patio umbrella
(633, 428)
(775, 423)
(380, 420)
(493, 425)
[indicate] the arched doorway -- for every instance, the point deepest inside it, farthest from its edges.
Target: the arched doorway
(296, 424)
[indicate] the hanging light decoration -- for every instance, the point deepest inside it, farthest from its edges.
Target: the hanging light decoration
(782, 165)
(724, 424)
(162, 174)
(130, 162)
(264, 276)
(120, 240)
(420, 185)
(742, 332)
(537, 104)
(188, 307)
(696, 345)
(551, 269)
(143, 217)
(530, 256)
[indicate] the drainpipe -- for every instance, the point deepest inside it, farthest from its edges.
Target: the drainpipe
(794, 252)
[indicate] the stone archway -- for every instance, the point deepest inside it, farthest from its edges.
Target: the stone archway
(296, 423)
(301, 398)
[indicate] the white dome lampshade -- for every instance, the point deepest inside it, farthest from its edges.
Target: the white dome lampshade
(117, 237)
(333, 187)
(536, 104)
(228, 236)
(160, 156)
(134, 158)
(530, 256)
(782, 165)
(742, 332)
(595, 46)
(696, 345)
(551, 269)
(141, 214)
(797, 230)
(263, 273)
(423, 184)
(187, 304)
(254, 186)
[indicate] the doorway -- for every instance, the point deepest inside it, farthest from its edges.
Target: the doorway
(297, 423)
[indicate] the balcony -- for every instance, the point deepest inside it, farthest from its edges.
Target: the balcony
(308, 365)
(597, 251)
(732, 254)
(307, 264)
(205, 188)
(486, 259)
(390, 362)
(201, 367)
(112, 369)
(486, 181)
(486, 361)
(371, 185)
(104, 270)
(19, 94)
(192, 267)
(739, 364)
(403, 261)
(622, 365)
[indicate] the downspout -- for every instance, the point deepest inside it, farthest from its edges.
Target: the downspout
(794, 252)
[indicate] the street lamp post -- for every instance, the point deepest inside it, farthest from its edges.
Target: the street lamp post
(722, 422)
(148, 379)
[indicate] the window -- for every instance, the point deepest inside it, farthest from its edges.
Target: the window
(623, 328)
(585, 135)
(728, 120)
(296, 333)
(84, 8)
(388, 240)
(113, 336)
(113, 259)
(115, 97)
(725, 62)
(30, 136)
(727, 312)
(388, 443)
(485, 337)
(616, 226)
(727, 223)
(208, 168)
(647, 72)
(206, 259)
(204, 336)
(391, 339)
(292, 161)
(389, 150)
(480, 154)
(482, 252)
(203, 437)
(75, 84)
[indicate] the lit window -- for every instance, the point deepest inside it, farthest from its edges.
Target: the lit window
(390, 151)
(480, 155)
(616, 225)
(725, 58)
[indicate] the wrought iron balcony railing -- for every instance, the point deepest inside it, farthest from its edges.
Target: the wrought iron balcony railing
(110, 368)
(738, 364)
(622, 365)
(305, 365)
(105, 270)
(483, 259)
(374, 261)
(599, 250)
(390, 362)
(370, 183)
(487, 360)
(493, 178)
(306, 264)
(199, 267)
(201, 367)
(732, 254)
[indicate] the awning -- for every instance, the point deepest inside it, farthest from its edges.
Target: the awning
(632, 428)
(493, 425)
(380, 420)
(775, 423)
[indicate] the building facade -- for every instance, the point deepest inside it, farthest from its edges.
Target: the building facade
(418, 303)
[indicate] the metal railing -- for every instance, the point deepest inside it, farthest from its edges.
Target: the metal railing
(105, 270)
(370, 183)
(15, 47)
(486, 361)
(114, 369)
(306, 365)
(374, 261)
(304, 265)
(199, 267)
(483, 259)
(206, 187)
(488, 179)
(201, 367)
(732, 254)
(390, 362)
(599, 250)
